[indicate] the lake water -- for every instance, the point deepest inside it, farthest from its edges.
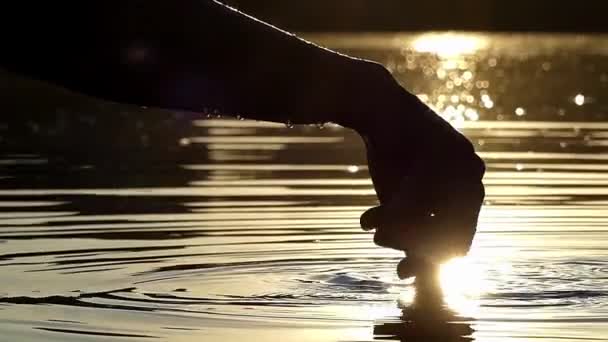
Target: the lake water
(151, 226)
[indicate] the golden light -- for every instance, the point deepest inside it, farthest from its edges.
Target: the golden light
(448, 44)
(462, 284)
(453, 51)
(407, 297)
(353, 169)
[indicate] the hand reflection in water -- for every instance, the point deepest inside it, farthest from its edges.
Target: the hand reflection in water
(426, 319)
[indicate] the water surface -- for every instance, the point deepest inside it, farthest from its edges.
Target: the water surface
(201, 228)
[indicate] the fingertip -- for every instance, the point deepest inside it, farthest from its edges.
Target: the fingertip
(371, 218)
(405, 269)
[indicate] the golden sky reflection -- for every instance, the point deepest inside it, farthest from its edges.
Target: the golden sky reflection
(461, 92)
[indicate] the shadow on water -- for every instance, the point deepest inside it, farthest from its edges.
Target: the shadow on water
(427, 318)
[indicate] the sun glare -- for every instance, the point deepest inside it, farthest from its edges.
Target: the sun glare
(462, 285)
(448, 44)
(456, 100)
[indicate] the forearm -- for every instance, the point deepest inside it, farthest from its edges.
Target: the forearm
(186, 55)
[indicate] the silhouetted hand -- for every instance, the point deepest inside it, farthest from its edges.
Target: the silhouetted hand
(428, 180)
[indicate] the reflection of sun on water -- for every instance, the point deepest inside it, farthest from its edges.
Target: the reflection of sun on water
(449, 44)
(462, 285)
(459, 97)
(457, 102)
(407, 297)
(456, 99)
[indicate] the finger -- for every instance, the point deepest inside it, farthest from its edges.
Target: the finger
(372, 218)
(394, 226)
(416, 266)
(405, 269)
(398, 226)
(396, 235)
(461, 219)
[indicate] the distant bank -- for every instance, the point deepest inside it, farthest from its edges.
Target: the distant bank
(407, 15)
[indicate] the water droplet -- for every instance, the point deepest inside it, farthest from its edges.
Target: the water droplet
(289, 124)
(579, 99)
(519, 167)
(432, 214)
(353, 169)
(520, 111)
(321, 125)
